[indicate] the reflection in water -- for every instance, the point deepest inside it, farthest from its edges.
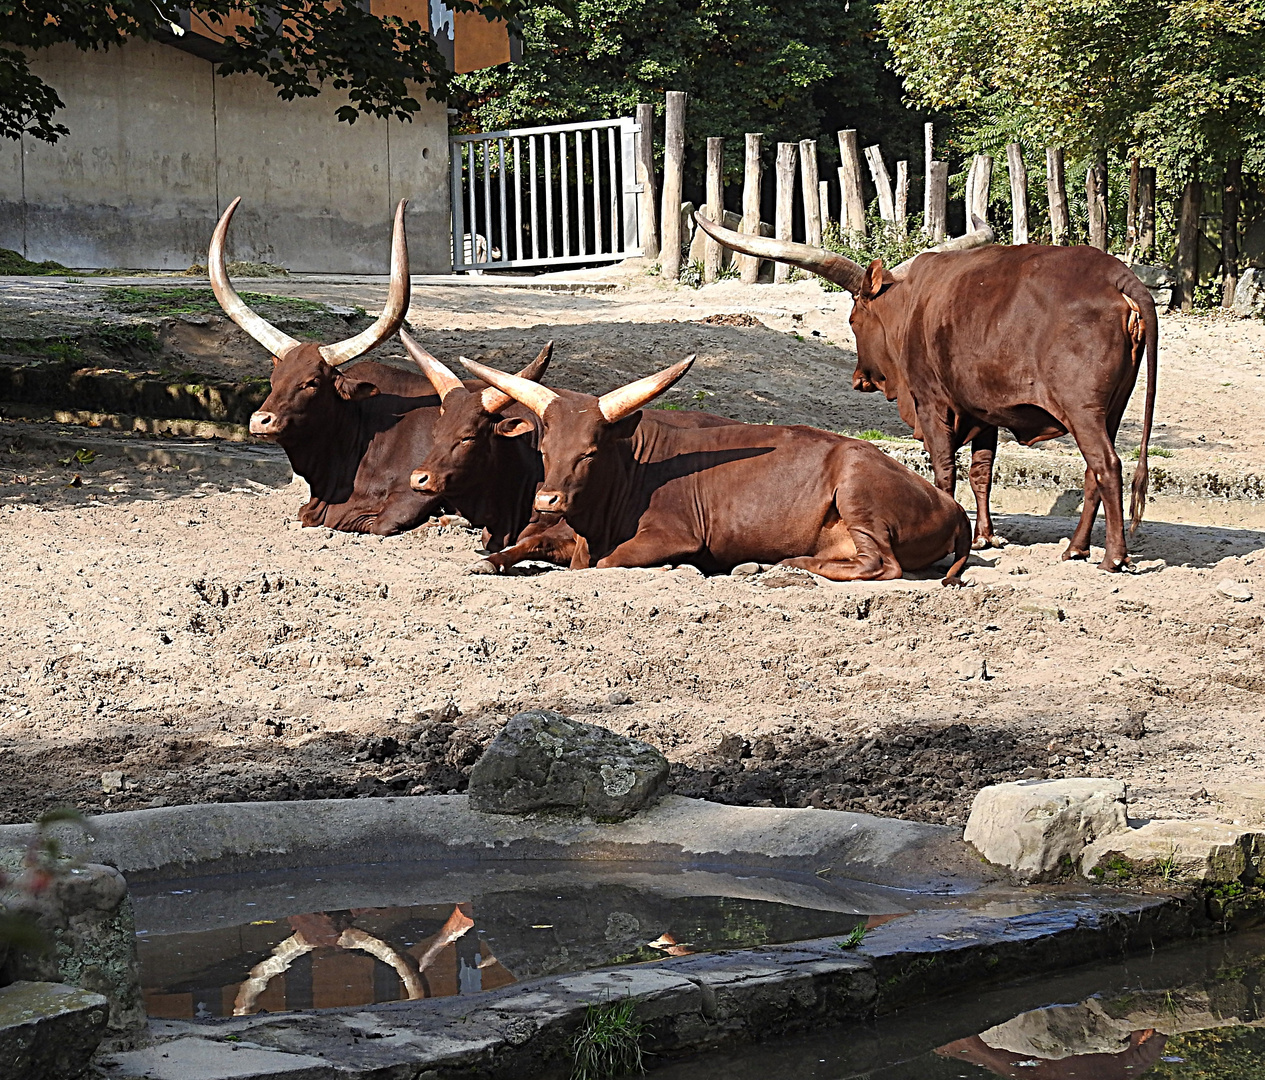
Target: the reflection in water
(328, 959)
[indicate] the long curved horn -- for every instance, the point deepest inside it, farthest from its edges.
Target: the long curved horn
(234, 306)
(393, 311)
(443, 380)
(536, 397)
(979, 236)
(828, 264)
(628, 399)
(495, 400)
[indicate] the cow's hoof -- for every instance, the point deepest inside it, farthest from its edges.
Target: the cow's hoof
(979, 543)
(1074, 553)
(1112, 566)
(483, 566)
(954, 583)
(998, 541)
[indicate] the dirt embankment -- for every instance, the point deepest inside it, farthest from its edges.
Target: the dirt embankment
(173, 625)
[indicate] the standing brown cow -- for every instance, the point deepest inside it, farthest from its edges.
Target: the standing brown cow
(642, 492)
(1040, 340)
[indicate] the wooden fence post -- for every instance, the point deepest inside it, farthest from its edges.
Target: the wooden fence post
(978, 182)
(938, 199)
(808, 183)
(1096, 201)
(785, 212)
(928, 138)
(749, 265)
(902, 193)
(852, 205)
(715, 207)
(1188, 244)
(1018, 193)
(645, 177)
(1146, 213)
(882, 181)
(1131, 209)
(1231, 186)
(673, 180)
(1060, 223)
(823, 202)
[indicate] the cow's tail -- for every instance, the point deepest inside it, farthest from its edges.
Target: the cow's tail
(1143, 309)
(961, 550)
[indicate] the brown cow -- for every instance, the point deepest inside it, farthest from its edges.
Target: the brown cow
(485, 463)
(642, 492)
(353, 436)
(1040, 340)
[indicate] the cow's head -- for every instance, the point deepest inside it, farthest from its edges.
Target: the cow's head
(581, 434)
(877, 315)
(308, 388)
(464, 438)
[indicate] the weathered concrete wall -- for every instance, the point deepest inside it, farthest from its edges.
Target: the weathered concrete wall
(159, 145)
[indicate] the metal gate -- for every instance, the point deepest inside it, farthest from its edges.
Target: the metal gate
(545, 196)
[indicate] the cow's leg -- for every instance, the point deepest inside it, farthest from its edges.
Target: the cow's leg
(554, 543)
(983, 451)
(937, 440)
(1104, 465)
(1078, 546)
(400, 513)
(874, 560)
(653, 546)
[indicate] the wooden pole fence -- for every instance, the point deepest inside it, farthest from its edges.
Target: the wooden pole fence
(882, 182)
(1018, 193)
(1056, 189)
(673, 181)
(646, 180)
(749, 265)
(852, 208)
(715, 207)
(808, 183)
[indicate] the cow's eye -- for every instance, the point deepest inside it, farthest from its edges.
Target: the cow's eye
(465, 439)
(311, 384)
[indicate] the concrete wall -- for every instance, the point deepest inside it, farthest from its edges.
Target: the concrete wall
(159, 145)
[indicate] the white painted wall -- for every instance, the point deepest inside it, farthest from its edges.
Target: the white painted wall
(159, 145)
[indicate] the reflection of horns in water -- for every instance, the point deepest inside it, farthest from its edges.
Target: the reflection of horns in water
(668, 944)
(297, 945)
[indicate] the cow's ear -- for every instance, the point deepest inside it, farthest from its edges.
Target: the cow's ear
(353, 389)
(625, 428)
(873, 283)
(514, 427)
(276, 360)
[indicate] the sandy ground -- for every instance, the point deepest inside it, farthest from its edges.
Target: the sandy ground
(176, 626)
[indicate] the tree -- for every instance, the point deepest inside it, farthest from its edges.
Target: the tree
(297, 45)
(792, 70)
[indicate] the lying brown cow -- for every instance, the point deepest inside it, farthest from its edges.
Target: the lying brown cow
(485, 463)
(353, 436)
(642, 492)
(1040, 340)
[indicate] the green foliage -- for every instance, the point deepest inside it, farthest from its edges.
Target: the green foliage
(1152, 451)
(854, 938)
(126, 338)
(296, 45)
(791, 69)
(10, 261)
(874, 435)
(42, 863)
(141, 300)
(1178, 81)
(608, 1044)
(1224, 1053)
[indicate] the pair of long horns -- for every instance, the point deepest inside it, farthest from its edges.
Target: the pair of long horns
(274, 340)
(445, 382)
(613, 406)
(829, 264)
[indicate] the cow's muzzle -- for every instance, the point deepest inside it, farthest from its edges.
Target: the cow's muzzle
(264, 424)
(421, 480)
(549, 502)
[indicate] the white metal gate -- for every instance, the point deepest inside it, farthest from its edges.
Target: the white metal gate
(545, 196)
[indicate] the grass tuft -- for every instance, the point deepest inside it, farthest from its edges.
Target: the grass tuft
(853, 939)
(608, 1043)
(12, 263)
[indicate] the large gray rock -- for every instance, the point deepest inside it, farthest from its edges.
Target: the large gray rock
(543, 760)
(1249, 297)
(48, 1030)
(1178, 852)
(1040, 828)
(87, 916)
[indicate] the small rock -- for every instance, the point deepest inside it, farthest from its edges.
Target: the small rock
(1234, 590)
(1243, 803)
(620, 697)
(745, 569)
(1039, 828)
(49, 1029)
(1208, 851)
(1249, 296)
(543, 760)
(112, 782)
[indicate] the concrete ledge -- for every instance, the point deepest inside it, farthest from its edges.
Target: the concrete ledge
(686, 1004)
(228, 837)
